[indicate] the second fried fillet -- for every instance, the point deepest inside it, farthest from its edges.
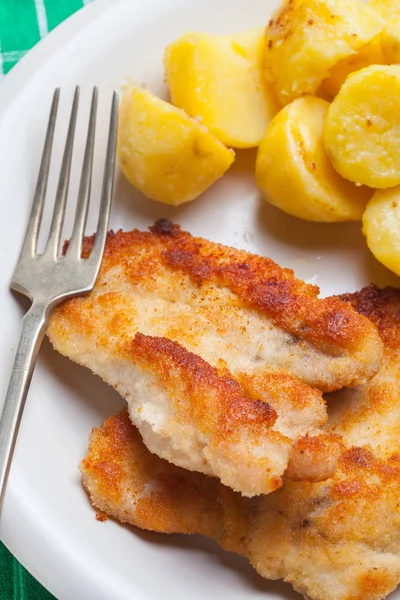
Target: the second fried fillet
(333, 540)
(214, 348)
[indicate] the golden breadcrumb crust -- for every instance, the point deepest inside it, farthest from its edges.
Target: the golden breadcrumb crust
(333, 540)
(215, 350)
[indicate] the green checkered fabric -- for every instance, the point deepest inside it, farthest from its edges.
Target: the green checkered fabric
(23, 23)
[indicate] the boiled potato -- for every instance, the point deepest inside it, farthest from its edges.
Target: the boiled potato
(306, 38)
(388, 9)
(370, 54)
(390, 37)
(362, 127)
(218, 80)
(381, 227)
(390, 43)
(167, 155)
(294, 173)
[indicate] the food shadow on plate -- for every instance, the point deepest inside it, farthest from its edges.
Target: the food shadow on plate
(100, 399)
(129, 201)
(292, 231)
(244, 165)
(305, 235)
(378, 274)
(228, 560)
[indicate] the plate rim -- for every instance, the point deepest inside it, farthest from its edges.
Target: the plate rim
(36, 58)
(10, 87)
(30, 550)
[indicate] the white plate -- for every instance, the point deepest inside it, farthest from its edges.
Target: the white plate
(47, 521)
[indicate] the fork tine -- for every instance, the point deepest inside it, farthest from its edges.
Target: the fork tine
(48, 282)
(75, 246)
(62, 191)
(35, 219)
(107, 190)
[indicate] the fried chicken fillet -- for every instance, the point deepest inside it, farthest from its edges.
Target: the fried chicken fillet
(332, 540)
(215, 351)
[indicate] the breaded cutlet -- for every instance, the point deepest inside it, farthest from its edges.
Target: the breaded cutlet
(333, 540)
(216, 351)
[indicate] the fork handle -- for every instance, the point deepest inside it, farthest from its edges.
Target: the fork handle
(33, 329)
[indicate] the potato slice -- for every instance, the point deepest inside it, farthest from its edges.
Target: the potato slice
(362, 127)
(167, 155)
(370, 54)
(218, 79)
(390, 42)
(390, 37)
(293, 170)
(381, 227)
(306, 38)
(388, 9)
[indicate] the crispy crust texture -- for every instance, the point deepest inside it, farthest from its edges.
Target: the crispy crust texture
(260, 283)
(129, 483)
(323, 342)
(171, 315)
(226, 410)
(229, 423)
(332, 540)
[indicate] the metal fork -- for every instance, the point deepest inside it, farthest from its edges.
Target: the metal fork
(49, 278)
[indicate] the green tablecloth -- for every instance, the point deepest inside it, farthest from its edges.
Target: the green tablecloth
(22, 24)
(15, 582)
